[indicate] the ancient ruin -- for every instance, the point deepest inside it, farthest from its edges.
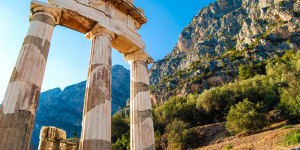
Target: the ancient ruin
(52, 138)
(107, 23)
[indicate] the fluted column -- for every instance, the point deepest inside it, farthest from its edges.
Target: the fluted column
(96, 123)
(17, 114)
(141, 121)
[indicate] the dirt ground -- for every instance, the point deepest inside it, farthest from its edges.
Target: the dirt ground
(269, 140)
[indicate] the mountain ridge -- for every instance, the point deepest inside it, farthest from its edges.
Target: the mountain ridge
(220, 38)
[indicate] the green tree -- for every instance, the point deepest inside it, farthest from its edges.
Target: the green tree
(175, 134)
(122, 143)
(246, 117)
(287, 70)
(120, 125)
(250, 70)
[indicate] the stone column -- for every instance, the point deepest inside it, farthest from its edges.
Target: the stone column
(17, 114)
(141, 122)
(96, 122)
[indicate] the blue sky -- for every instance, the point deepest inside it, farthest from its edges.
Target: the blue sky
(69, 52)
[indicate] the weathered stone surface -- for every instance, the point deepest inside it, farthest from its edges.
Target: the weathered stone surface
(73, 20)
(52, 138)
(42, 44)
(44, 18)
(141, 131)
(96, 124)
(23, 91)
(95, 93)
(140, 87)
(96, 144)
(152, 147)
(118, 16)
(53, 133)
(16, 129)
(140, 116)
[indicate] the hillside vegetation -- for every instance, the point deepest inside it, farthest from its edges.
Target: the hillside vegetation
(247, 105)
(222, 37)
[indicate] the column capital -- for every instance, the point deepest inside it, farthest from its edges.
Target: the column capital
(98, 30)
(138, 55)
(51, 10)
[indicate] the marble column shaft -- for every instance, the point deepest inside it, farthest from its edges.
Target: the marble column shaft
(141, 121)
(17, 114)
(96, 123)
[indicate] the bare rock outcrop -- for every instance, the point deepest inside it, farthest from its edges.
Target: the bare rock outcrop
(222, 36)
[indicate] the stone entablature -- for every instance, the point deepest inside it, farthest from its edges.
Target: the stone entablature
(118, 16)
(52, 138)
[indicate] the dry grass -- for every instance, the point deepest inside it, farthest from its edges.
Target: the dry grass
(269, 140)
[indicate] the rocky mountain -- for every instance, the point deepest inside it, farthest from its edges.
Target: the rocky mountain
(63, 108)
(220, 38)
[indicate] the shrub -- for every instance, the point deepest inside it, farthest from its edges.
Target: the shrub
(217, 101)
(287, 70)
(250, 70)
(180, 136)
(290, 99)
(122, 143)
(288, 126)
(191, 138)
(120, 125)
(179, 108)
(157, 138)
(174, 119)
(292, 138)
(173, 108)
(175, 134)
(246, 117)
(228, 147)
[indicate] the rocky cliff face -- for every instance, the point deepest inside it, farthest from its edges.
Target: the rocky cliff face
(222, 36)
(63, 108)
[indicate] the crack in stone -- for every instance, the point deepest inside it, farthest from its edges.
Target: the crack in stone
(140, 116)
(44, 18)
(42, 44)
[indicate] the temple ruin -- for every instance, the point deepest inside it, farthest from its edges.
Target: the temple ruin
(108, 24)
